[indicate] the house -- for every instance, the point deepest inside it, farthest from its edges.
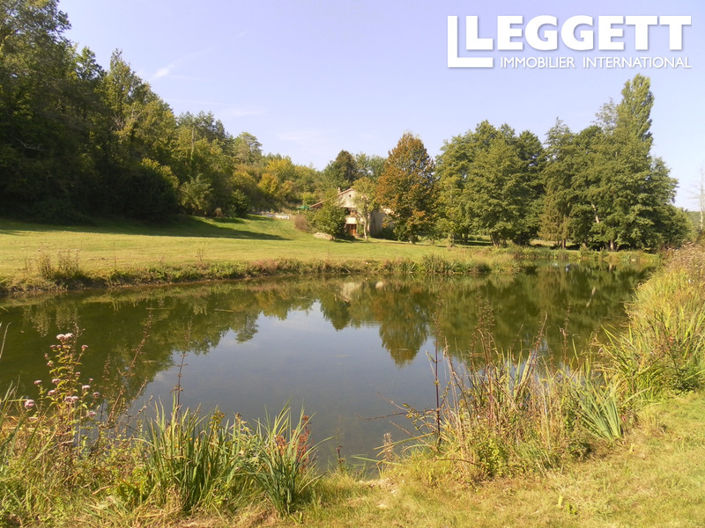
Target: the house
(353, 218)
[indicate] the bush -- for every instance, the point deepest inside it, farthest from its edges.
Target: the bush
(238, 205)
(329, 219)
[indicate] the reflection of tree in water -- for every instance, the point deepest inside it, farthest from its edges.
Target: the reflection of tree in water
(574, 302)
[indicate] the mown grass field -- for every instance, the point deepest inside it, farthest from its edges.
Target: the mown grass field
(107, 246)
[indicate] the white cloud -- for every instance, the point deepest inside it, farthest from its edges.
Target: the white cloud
(168, 70)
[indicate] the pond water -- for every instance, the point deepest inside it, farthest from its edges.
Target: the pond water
(344, 349)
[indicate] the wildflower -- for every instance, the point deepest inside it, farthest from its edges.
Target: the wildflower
(71, 399)
(96, 394)
(84, 347)
(37, 382)
(50, 364)
(52, 392)
(91, 414)
(64, 338)
(85, 387)
(55, 381)
(29, 404)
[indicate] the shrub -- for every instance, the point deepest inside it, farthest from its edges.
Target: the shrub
(329, 219)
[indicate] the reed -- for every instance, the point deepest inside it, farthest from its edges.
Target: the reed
(283, 467)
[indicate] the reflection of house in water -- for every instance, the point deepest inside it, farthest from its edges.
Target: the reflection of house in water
(353, 218)
(348, 289)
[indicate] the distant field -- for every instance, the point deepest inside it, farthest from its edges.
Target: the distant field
(125, 246)
(44, 257)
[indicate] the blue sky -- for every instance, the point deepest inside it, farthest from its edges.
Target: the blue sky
(312, 77)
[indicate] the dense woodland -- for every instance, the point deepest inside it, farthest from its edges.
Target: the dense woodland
(79, 141)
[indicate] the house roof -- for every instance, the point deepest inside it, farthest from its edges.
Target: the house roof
(340, 193)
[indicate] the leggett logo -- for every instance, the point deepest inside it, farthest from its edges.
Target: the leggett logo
(578, 33)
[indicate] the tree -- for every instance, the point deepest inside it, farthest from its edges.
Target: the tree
(46, 111)
(558, 176)
(365, 201)
(407, 188)
(637, 190)
(452, 169)
(369, 166)
(247, 148)
(497, 192)
(342, 171)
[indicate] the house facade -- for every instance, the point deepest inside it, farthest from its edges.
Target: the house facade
(354, 223)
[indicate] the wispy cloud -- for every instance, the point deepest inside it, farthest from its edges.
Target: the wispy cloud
(168, 70)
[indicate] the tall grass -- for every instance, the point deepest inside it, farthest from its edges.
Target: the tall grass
(663, 348)
(200, 460)
(283, 466)
(506, 416)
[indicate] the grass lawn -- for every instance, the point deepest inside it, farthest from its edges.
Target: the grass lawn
(189, 241)
(105, 254)
(108, 247)
(654, 478)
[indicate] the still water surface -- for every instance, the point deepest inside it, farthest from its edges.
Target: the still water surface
(344, 349)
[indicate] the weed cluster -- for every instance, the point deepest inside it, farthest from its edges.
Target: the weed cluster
(58, 462)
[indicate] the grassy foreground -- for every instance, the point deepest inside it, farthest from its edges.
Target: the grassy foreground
(44, 257)
(620, 443)
(654, 478)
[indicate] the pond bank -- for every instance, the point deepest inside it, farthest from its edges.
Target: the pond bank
(42, 258)
(67, 274)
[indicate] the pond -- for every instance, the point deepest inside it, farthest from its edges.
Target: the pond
(347, 350)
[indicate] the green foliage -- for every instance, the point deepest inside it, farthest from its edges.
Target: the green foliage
(341, 172)
(195, 195)
(202, 461)
(239, 204)
(603, 187)
(598, 408)
(329, 218)
(490, 183)
(407, 188)
(664, 347)
(282, 468)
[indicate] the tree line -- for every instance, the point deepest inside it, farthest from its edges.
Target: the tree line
(78, 140)
(600, 187)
